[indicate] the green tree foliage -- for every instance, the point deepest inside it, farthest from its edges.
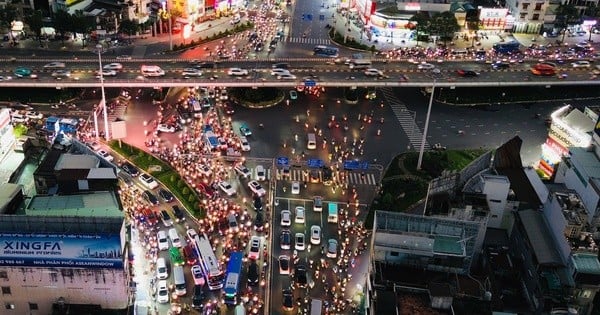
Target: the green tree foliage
(422, 24)
(129, 27)
(7, 14)
(444, 24)
(62, 23)
(81, 24)
(566, 14)
(35, 23)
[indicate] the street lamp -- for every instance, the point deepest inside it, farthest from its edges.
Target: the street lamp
(422, 149)
(103, 102)
(167, 9)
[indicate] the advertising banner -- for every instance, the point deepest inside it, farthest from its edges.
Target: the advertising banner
(70, 251)
(597, 128)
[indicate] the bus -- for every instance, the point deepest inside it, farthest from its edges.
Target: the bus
(176, 257)
(332, 214)
(208, 262)
(234, 273)
(506, 48)
(326, 51)
(359, 64)
(543, 69)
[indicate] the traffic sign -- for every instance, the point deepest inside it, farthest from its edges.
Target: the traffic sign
(321, 17)
(283, 161)
(315, 163)
(310, 83)
(309, 17)
(351, 165)
(364, 165)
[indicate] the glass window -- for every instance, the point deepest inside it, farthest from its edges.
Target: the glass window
(5, 290)
(33, 306)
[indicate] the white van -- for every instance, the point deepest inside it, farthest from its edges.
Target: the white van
(312, 141)
(175, 239)
(162, 272)
(18, 118)
(179, 278)
(360, 64)
(152, 71)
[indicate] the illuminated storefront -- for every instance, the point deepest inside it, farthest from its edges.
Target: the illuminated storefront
(569, 128)
(493, 19)
(7, 136)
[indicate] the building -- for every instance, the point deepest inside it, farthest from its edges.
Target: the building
(64, 254)
(529, 16)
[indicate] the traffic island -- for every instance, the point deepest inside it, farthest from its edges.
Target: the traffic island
(257, 98)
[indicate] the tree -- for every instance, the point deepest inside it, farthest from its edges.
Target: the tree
(35, 23)
(423, 23)
(62, 23)
(81, 24)
(8, 14)
(566, 14)
(129, 27)
(444, 24)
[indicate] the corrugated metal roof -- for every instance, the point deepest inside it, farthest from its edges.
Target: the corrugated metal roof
(539, 237)
(100, 204)
(586, 263)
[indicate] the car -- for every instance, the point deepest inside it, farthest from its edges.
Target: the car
(253, 274)
(286, 76)
(467, 73)
(300, 242)
(295, 188)
(197, 275)
(581, 64)
(205, 170)
(130, 169)
(179, 215)
(257, 188)
(61, 74)
(285, 171)
(34, 115)
(54, 65)
(162, 271)
(255, 247)
(280, 65)
(284, 265)
(285, 239)
(425, 66)
(95, 146)
(165, 128)
(288, 300)
(372, 72)
(500, 65)
(191, 72)
(260, 173)
(113, 66)
(23, 72)
(148, 181)
(162, 292)
(150, 197)
(314, 176)
(279, 71)
(237, 72)
(315, 235)
(317, 204)
(286, 218)
(300, 215)
(163, 240)
(166, 195)
(123, 57)
(150, 217)
(243, 171)
(293, 95)
(258, 205)
(245, 131)
(166, 218)
(206, 65)
(105, 155)
(300, 275)
(332, 246)
(198, 297)
(191, 234)
(106, 73)
(227, 188)
(228, 108)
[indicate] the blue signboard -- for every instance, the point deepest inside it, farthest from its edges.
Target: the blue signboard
(315, 163)
(207, 128)
(309, 17)
(310, 83)
(283, 161)
(351, 165)
(321, 17)
(364, 165)
(50, 250)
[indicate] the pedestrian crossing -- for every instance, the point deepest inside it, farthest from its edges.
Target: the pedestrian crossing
(117, 111)
(304, 175)
(307, 40)
(406, 118)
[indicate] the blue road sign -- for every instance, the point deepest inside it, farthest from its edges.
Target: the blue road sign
(364, 165)
(315, 163)
(351, 165)
(310, 83)
(283, 161)
(309, 17)
(321, 17)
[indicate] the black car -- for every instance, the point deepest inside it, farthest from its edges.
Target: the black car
(285, 239)
(130, 169)
(166, 195)
(300, 276)
(288, 300)
(280, 65)
(259, 221)
(206, 65)
(500, 65)
(327, 175)
(228, 108)
(198, 298)
(178, 213)
(258, 205)
(150, 197)
(467, 73)
(253, 274)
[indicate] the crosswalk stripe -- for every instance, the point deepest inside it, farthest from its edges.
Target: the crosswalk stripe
(407, 121)
(314, 41)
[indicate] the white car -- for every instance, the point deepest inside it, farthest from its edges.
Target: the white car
(148, 181)
(244, 144)
(300, 215)
(257, 188)
(315, 235)
(372, 72)
(165, 128)
(123, 57)
(113, 66)
(54, 65)
(34, 115)
(425, 66)
(197, 275)
(227, 188)
(191, 72)
(61, 74)
(162, 271)
(286, 218)
(163, 240)
(581, 64)
(237, 72)
(299, 243)
(162, 291)
(260, 173)
(93, 145)
(106, 73)
(205, 170)
(295, 188)
(255, 244)
(278, 71)
(287, 76)
(242, 170)
(105, 155)
(191, 234)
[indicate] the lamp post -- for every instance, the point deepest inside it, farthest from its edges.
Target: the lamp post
(422, 149)
(103, 102)
(167, 9)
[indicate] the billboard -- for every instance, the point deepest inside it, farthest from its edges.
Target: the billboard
(69, 251)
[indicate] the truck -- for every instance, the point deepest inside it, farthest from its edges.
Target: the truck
(316, 307)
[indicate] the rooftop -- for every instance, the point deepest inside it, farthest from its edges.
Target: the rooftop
(76, 161)
(448, 245)
(586, 263)
(572, 208)
(586, 161)
(579, 121)
(93, 204)
(539, 238)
